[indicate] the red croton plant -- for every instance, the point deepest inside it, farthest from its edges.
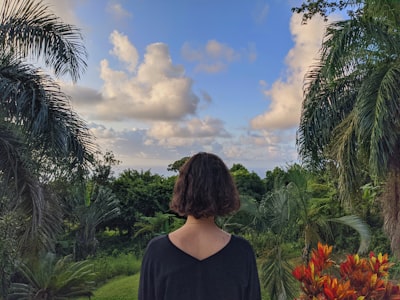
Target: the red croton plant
(357, 278)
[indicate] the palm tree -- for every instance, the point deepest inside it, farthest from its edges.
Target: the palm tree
(276, 269)
(54, 278)
(40, 135)
(41, 132)
(91, 208)
(351, 106)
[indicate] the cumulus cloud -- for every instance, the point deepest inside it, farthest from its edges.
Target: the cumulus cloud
(83, 99)
(65, 9)
(139, 149)
(155, 93)
(285, 94)
(124, 50)
(158, 90)
(130, 147)
(214, 57)
(192, 131)
(261, 151)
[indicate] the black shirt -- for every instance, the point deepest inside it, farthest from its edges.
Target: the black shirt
(168, 273)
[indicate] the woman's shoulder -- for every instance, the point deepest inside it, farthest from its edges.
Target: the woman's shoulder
(241, 243)
(157, 243)
(239, 239)
(158, 239)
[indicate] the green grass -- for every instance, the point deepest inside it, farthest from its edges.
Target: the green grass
(109, 267)
(119, 288)
(126, 288)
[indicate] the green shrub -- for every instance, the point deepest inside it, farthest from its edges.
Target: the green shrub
(107, 267)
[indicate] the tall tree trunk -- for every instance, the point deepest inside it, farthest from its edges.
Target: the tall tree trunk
(390, 200)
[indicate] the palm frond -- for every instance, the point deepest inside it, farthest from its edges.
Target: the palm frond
(378, 109)
(17, 175)
(277, 276)
(324, 107)
(27, 195)
(358, 225)
(35, 102)
(280, 206)
(343, 150)
(61, 279)
(29, 28)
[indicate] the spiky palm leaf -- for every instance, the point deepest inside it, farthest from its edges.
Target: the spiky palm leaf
(54, 279)
(101, 206)
(27, 196)
(277, 275)
(29, 29)
(35, 102)
(358, 225)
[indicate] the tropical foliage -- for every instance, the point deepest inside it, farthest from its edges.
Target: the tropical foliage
(41, 137)
(63, 214)
(351, 106)
(294, 213)
(54, 279)
(358, 278)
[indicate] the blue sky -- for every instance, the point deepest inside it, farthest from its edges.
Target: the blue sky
(167, 79)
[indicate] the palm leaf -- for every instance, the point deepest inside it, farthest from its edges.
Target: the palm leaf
(26, 193)
(378, 107)
(35, 102)
(358, 225)
(28, 28)
(277, 276)
(60, 278)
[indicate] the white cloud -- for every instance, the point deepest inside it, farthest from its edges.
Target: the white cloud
(261, 152)
(286, 93)
(220, 51)
(156, 94)
(157, 65)
(214, 57)
(157, 91)
(155, 148)
(124, 50)
(139, 148)
(65, 9)
(188, 133)
(83, 99)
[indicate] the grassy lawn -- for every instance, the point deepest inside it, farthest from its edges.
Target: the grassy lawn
(126, 288)
(119, 288)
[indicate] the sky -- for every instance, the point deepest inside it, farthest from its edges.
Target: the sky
(168, 79)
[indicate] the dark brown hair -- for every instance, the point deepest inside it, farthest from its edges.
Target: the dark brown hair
(205, 188)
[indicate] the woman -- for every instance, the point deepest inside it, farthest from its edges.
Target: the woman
(199, 261)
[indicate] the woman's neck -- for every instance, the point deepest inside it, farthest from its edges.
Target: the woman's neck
(209, 221)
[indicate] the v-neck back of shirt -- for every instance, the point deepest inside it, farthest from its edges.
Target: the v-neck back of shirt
(203, 259)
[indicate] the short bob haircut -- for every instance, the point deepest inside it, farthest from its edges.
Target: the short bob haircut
(205, 188)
